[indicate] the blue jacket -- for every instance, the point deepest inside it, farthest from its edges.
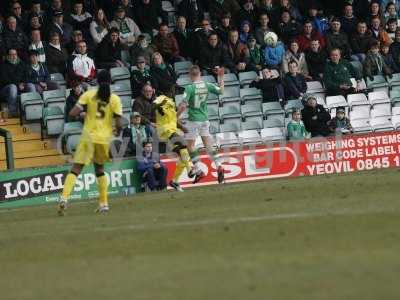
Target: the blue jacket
(38, 76)
(273, 56)
(145, 163)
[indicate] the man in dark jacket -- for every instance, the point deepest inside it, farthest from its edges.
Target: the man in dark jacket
(218, 8)
(143, 104)
(337, 75)
(335, 38)
(108, 52)
(165, 43)
(184, 37)
(56, 55)
(63, 29)
(294, 82)
(13, 80)
(147, 13)
(38, 74)
(238, 53)
(192, 11)
(360, 42)
(316, 60)
(214, 56)
(140, 76)
(14, 37)
(315, 118)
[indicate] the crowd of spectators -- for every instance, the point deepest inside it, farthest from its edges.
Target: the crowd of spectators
(287, 42)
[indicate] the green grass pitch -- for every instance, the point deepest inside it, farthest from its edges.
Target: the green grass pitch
(327, 237)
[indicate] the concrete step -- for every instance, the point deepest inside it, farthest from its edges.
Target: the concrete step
(29, 145)
(40, 161)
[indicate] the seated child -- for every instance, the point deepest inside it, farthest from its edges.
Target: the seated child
(295, 128)
(340, 123)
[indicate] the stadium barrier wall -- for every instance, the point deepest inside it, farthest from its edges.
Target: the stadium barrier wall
(36, 186)
(317, 156)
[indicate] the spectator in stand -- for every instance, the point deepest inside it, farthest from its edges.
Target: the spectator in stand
(360, 42)
(15, 38)
(388, 58)
(192, 11)
(289, 29)
(72, 99)
(13, 81)
(390, 12)
(270, 84)
(99, 27)
(315, 118)
(294, 82)
(184, 37)
(147, 13)
(295, 128)
(395, 48)
(201, 38)
(81, 19)
(165, 43)
(55, 7)
(63, 29)
(214, 56)
(349, 21)
(378, 32)
(81, 67)
(141, 48)
(143, 105)
(56, 55)
(140, 77)
(335, 38)
(340, 124)
(238, 53)
(268, 7)
(135, 134)
(34, 23)
(337, 75)
(77, 36)
(38, 45)
(128, 30)
(273, 51)
(309, 34)
(219, 8)
(247, 13)
(262, 30)
(162, 74)
(316, 59)
(19, 15)
(153, 172)
(374, 11)
(108, 52)
(374, 64)
(129, 9)
(224, 27)
(36, 10)
(293, 54)
(318, 20)
(391, 27)
(255, 54)
(245, 31)
(292, 9)
(38, 74)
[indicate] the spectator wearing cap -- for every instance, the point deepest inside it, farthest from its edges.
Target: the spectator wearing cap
(335, 38)
(294, 82)
(223, 28)
(360, 42)
(162, 74)
(270, 84)
(238, 53)
(99, 26)
(128, 30)
(247, 12)
(378, 32)
(289, 29)
(184, 37)
(262, 30)
(293, 54)
(315, 118)
(13, 80)
(72, 99)
(81, 67)
(214, 56)
(141, 48)
(38, 45)
(136, 134)
(56, 55)
(200, 38)
(192, 11)
(140, 76)
(316, 59)
(374, 64)
(38, 74)
(15, 38)
(108, 52)
(165, 43)
(340, 124)
(143, 104)
(218, 8)
(63, 29)
(349, 21)
(147, 14)
(81, 19)
(309, 34)
(153, 172)
(337, 75)
(255, 54)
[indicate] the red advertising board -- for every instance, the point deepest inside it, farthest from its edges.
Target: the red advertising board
(316, 156)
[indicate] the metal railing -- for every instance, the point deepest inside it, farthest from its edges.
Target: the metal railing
(9, 148)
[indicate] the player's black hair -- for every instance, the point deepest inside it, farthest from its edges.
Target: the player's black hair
(104, 81)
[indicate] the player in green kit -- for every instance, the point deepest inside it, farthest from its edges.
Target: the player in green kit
(195, 100)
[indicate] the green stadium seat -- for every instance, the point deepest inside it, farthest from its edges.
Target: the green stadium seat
(182, 67)
(227, 139)
(395, 96)
(119, 74)
(249, 137)
(122, 88)
(245, 78)
(269, 123)
(213, 111)
(208, 78)
(53, 121)
(252, 125)
(271, 134)
(31, 106)
(250, 94)
(394, 81)
(272, 109)
(214, 126)
(126, 57)
(231, 94)
(230, 127)
(292, 105)
(183, 81)
(378, 84)
(59, 78)
(72, 132)
(54, 98)
(230, 79)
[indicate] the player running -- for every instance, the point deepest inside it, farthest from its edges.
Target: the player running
(100, 108)
(168, 125)
(195, 99)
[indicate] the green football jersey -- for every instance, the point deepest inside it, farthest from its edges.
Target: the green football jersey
(196, 95)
